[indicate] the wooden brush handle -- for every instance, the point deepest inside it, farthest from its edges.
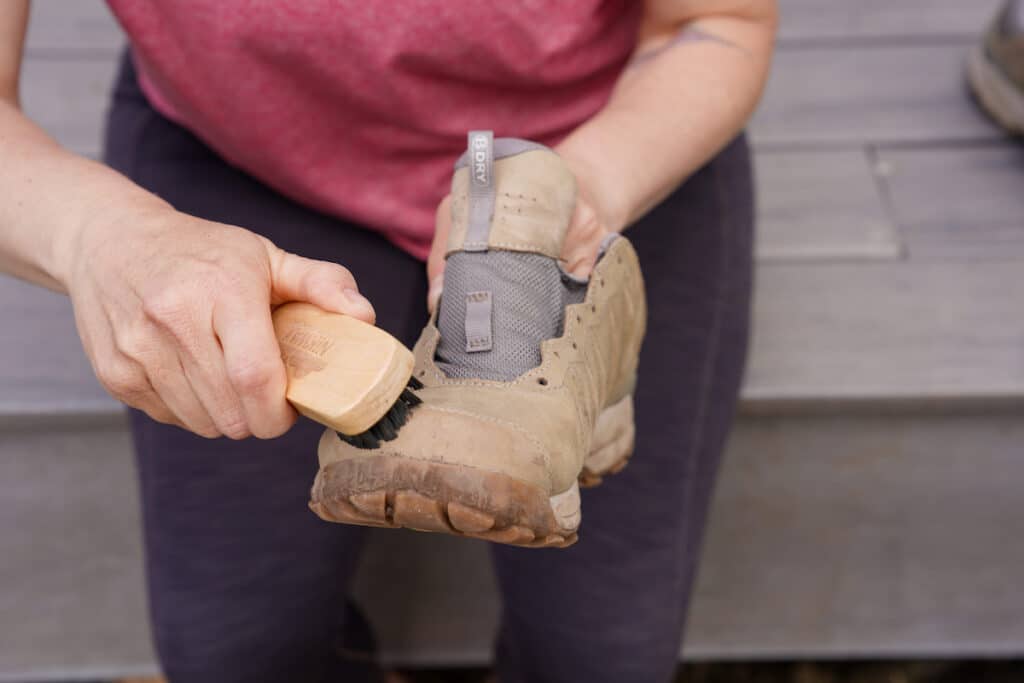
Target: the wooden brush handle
(342, 372)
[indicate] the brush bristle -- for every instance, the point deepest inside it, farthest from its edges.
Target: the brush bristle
(387, 427)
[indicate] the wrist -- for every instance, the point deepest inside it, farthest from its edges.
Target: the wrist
(596, 181)
(100, 227)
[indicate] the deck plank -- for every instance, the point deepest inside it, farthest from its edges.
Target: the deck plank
(73, 605)
(883, 535)
(68, 96)
(958, 203)
(874, 19)
(63, 25)
(976, 244)
(43, 370)
(821, 205)
(859, 94)
(962, 186)
(896, 331)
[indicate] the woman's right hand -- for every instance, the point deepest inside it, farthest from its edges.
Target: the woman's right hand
(174, 314)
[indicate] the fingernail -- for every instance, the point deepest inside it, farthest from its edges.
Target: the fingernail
(434, 292)
(358, 300)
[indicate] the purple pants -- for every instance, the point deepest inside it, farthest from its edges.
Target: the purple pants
(245, 584)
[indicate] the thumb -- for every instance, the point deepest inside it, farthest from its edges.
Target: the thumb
(436, 260)
(321, 283)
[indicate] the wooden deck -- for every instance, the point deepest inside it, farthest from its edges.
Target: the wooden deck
(869, 505)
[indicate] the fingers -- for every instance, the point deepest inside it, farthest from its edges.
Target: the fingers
(434, 289)
(177, 323)
(168, 377)
(227, 376)
(223, 377)
(126, 381)
(583, 240)
(174, 342)
(122, 376)
(204, 368)
(327, 285)
(252, 361)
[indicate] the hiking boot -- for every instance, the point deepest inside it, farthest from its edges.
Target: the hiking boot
(527, 373)
(995, 69)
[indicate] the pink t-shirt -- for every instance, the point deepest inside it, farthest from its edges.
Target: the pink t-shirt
(358, 108)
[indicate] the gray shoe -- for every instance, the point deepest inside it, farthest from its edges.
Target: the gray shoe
(995, 69)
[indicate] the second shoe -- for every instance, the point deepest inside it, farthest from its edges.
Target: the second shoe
(995, 68)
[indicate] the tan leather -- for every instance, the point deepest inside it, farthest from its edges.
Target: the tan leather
(537, 428)
(535, 195)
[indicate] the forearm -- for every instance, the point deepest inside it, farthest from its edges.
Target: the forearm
(48, 196)
(689, 89)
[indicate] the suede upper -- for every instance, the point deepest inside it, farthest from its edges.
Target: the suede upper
(538, 427)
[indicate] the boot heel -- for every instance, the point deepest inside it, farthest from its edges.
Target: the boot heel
(614, 436)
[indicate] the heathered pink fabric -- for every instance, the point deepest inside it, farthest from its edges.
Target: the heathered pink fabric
(359, 108)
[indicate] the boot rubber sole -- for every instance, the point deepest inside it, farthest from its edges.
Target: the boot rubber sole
(393, 491)
(995, 92)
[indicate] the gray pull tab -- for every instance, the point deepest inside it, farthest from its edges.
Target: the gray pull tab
(478, 322)
(481, 189)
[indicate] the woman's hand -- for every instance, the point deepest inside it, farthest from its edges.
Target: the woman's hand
(174, 313)
(587, 228)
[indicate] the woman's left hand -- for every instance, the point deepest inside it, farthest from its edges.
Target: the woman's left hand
(587, 230)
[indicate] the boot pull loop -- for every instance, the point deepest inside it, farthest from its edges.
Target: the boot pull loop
(481, 189)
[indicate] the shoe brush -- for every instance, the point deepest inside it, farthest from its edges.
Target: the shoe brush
(346, 374)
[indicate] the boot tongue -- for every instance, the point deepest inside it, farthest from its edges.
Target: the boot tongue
(504, 292)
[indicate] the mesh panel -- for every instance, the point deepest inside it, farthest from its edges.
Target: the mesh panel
(529, 295)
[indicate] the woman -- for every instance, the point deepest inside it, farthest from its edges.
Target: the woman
(243, 136)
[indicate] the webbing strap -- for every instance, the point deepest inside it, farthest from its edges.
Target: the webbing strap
(481, 189)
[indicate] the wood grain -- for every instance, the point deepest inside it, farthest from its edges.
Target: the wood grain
(342, 372)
